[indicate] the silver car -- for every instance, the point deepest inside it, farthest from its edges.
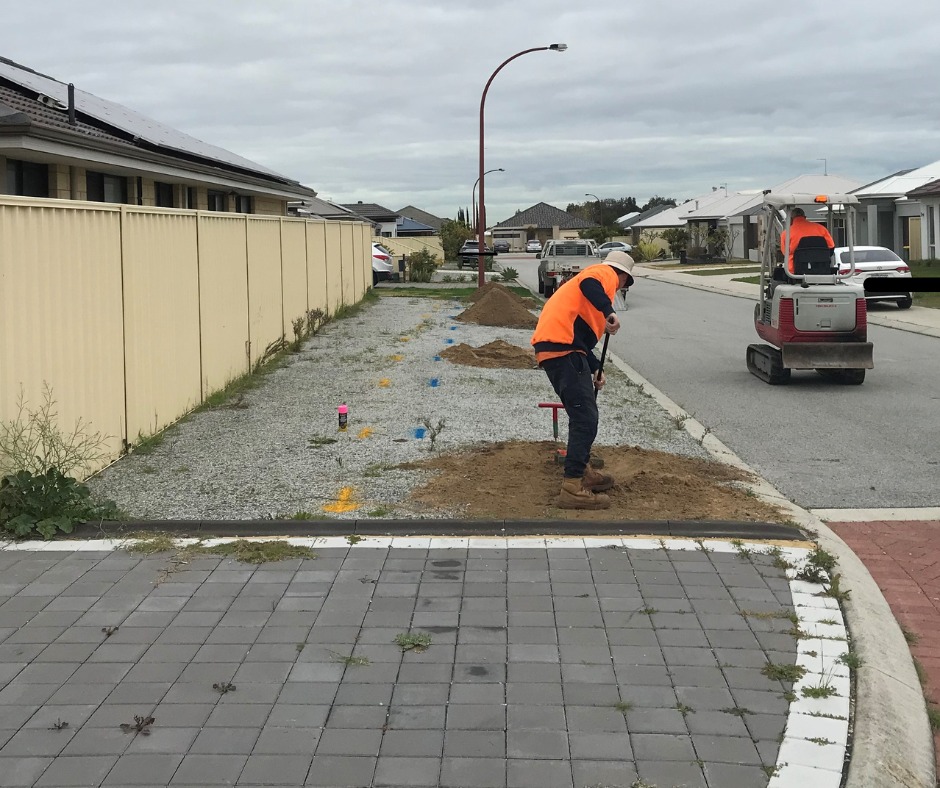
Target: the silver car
(876, 261)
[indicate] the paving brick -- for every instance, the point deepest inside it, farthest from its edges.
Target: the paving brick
(288, 741)
(547, 744)
(412, 743)
(473, 773)
(17, 772)
(595, 719)
(223, 741)
(243, 715)
(29, 743)
(338, 771)
(522, 773)
(661, 773)
(207, 770)
(494, 693)
(605, 773)
(145, 770)
(413, 717)
(726, 749)
(163, 739)
(275, 769)
(661, 747)
(736, 775)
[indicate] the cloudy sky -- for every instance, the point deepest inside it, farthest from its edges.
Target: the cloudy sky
(378, 100)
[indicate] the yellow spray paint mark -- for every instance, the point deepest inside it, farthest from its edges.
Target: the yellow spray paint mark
(397, 357)
(403, 339)
(385, 383)
(365, 432)
(344, 503)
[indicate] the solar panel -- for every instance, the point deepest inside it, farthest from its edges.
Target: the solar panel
(127, 120)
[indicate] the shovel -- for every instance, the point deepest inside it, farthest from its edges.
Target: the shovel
(600, 369)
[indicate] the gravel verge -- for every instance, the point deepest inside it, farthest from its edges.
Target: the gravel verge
(270, 454)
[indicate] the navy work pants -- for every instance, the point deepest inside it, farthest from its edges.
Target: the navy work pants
(573, 382)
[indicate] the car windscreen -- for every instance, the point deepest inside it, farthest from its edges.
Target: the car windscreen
(870, 256)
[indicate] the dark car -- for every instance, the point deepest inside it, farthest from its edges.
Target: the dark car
(469, 254)
(500, 246)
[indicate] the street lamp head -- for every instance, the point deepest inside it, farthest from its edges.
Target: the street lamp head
(558, 47)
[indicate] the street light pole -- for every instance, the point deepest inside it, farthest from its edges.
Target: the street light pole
(473, 199)
(588, 194)
(481, 221)
(825, 166)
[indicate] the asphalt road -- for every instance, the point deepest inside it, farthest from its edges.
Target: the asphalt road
(822, 445)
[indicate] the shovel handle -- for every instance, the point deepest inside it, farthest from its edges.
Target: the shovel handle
(600, 369)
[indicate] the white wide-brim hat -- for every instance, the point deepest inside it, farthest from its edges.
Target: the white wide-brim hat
(621, 261)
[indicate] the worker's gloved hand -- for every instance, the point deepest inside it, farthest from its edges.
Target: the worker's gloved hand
(599, 379)
(613, 324)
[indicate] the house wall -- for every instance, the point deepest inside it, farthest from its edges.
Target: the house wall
(404, 246)
(133, 316)
(930, 227)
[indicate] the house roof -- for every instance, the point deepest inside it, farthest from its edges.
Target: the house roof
(409, 225)
(544, 216)
(676, 216)
(900, 183)
(325, 209)
(931, 189)
(36, 107)
(727, 206)
(424, 217)
(627, 217)
(372, 211)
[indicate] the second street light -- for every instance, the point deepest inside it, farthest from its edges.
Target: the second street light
(473, 201)
(481, 222)
(599, 222)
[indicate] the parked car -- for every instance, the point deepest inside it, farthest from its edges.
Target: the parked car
(382, 264)
(469, 254)
(876, 261)
(612, 246)
(535, 245)
(500, 246)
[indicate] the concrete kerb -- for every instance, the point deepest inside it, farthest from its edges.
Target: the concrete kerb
(892, 741)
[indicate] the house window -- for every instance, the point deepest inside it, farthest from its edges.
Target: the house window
(189, 197)
(216, 201)
(243, 204)
(102, 187)
(27, 179)
(932, 211)
(163, 195)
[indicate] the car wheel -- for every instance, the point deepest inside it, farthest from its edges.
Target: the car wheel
(541, 285)
(905, 303)
(549, 289)
(375, 278)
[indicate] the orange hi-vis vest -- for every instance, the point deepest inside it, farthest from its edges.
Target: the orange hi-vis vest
(800, 228)
(569, 321)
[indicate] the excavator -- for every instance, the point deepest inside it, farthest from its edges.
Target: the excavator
(812, 319)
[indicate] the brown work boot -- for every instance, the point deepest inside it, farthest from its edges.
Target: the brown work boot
(595, 481)
(573, 495)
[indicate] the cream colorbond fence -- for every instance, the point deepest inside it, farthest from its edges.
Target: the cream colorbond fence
(133, 316)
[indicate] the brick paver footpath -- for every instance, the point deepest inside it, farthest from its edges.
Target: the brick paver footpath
(573, 667)
(903, 557)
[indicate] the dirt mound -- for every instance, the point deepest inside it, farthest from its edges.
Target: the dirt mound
(499, 307)
(528, 303)
(518, 480)
(497, 354)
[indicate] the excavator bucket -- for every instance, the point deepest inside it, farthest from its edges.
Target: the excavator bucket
(827, 355)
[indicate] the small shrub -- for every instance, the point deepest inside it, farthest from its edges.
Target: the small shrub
(47, 503)
(509, 274)
(421, 265)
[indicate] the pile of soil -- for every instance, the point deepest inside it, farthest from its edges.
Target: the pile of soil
(499, 306)
(528, 303)
(497, 354)
(519, 480)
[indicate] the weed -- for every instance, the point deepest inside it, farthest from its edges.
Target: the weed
(381, 511)
(771, 615)
(737, 711)
(623, 706)
(32, 440)
(351, 661)
(782, 672)
(58, 725)
(744, 552)
(680, 419)
(108, 631)
(182, 469)
(140, 725)
(910, 637)
(419, 641)
(702, 546)
(822, 689)
(149, 544)
(820, 741)
(773, 771)
(147, 469)
(641, 784)
(789, 696)
(823, 715)
(831, 622)
(353, 539)
(779, 561)
(684, 710)
(835, 590)
(818, 563)
(796, 632)
(649, 611)
(319, 440)
(377, 469)
(433, 431)
(258, 552)
(300, 647)
(933, 716)
(223, 687)
(148, 444)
